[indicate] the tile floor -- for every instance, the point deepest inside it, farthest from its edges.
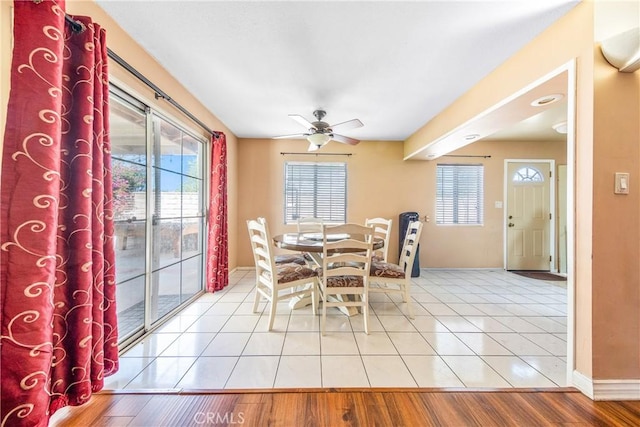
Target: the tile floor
(473, 328)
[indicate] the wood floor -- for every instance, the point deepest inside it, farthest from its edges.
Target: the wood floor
(349, 407)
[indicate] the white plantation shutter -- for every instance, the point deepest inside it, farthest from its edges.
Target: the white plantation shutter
(460, 194)
(316, 190)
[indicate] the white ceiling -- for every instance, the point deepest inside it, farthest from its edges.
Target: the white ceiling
(392, 64)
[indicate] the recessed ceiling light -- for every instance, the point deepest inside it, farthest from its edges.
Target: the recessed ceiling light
(560, 127)
(472, 136)
(547, 99)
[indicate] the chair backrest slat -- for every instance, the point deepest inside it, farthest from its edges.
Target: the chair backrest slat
(382, 230)
(347, 250)
(409, 247)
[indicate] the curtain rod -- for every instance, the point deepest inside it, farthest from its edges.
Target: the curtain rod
(317, 154)
(159, 93)
(461, 155)
(78, 27)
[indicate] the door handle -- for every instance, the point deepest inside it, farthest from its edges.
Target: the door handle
(510, 216)
(511, 224)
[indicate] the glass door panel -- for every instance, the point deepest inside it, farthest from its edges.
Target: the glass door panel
(129, 170)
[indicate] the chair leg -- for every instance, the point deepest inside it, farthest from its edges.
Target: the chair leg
(407, 299)
(324, 312)
(365, 312)
(314, 296)
(272, 308)
(256, 299)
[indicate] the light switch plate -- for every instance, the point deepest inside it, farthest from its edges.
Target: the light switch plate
(621, 183)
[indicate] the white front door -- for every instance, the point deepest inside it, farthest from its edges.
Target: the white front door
(528, 216)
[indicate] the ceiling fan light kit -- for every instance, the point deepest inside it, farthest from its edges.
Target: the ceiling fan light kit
(319, 133)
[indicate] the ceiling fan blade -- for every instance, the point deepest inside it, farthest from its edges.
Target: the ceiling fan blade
(349, 124)
(292, 136)
(344, 139)
(304, 122)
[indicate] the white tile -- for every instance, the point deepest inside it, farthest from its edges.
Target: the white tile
(279, 323)
(387, 371)
(547, 324)
(357, 323)
(457, 324)
(446, 343)
(227, 344)
(237, 323)
(410, 343)
(299, 372)
(337, 321)
(517, 324)
(554, 368)
(425, 297)
(189, 344)
(428, 324)
(129, 368)
(304, 322)
(439, 309)
(465, 309)
(474, 372)
(151, 346)
(208, 324)
(431, 371)
(221, 308)
(254, 372)
(196, 309)
(338, 343)
(236, 297)
(494, 309)
(488, 324)
(343, 371)
(301, 343)
(519, 345)
(246, 308)
(517, 372)
(482, 344)
(178, 324)
(549, 342)
(208, 373)
(162, 373)
(264, 343)
(386, 309)
(375, 343)
(397, 323)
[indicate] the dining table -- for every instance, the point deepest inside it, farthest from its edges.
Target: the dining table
(312, 244)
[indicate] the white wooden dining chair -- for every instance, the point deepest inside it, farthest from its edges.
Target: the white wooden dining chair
(277, 282)
(392, 278)
(310, 225)
(346, 263)
(382, 230)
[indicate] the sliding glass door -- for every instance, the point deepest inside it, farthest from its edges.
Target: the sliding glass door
(158, 170)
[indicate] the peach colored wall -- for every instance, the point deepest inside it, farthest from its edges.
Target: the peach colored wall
(380, 183)
(616, 223)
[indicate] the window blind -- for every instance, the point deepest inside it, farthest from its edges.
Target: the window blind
(316, 190)
(460, 194)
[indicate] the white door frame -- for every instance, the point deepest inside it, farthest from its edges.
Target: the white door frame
(552, 207)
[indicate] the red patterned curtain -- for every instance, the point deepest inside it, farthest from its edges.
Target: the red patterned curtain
(58, 326)
(218, 244)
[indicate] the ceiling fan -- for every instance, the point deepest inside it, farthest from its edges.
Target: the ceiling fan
(319, 132)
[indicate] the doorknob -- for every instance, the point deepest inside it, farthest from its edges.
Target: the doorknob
(510, 216)
(511, 224)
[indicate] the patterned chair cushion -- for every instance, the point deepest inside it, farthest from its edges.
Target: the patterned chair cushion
(291, 272)
(345, 282)
(377, 258)
(385, 269)
(291, 258)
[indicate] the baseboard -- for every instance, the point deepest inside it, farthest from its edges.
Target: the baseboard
(607, 389)
(583, 383)
(616, 389)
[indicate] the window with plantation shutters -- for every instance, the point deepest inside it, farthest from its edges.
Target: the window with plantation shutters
(316, 190)
(460, 194)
